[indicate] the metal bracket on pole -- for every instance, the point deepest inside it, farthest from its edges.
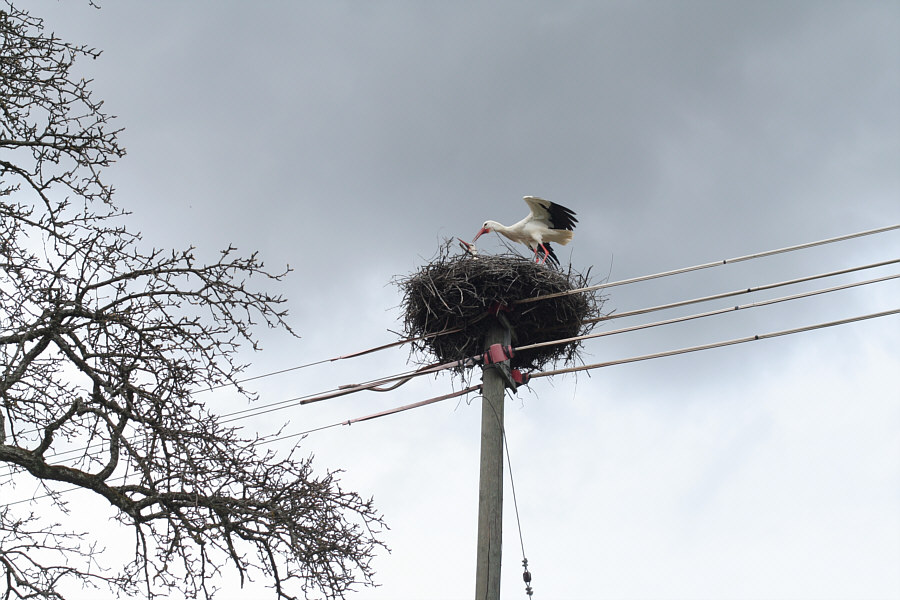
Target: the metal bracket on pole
(498, 357)
(506, 375)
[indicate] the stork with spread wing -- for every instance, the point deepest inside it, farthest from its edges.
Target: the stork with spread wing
(548, 222)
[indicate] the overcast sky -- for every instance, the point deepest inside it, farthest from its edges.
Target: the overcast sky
(347, 139)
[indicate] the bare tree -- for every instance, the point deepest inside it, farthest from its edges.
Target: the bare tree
(102, 348)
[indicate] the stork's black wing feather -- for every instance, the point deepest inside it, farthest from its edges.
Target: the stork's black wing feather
(561, 217)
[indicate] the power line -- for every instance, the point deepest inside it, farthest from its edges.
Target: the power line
(377, 415)
(343, 390)
(758, 288)
(371, 385)
(607, 364)
(350, 389)
(353, 388)
(87, 448)
(242, 414)
(302, 433)
(336, 358)
(375, 383)
(731, 342)
(710, 313)
(710, 264)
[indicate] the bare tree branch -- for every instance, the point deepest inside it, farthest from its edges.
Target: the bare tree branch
(104, 344)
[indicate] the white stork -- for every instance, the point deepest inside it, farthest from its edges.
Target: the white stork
(548, 222)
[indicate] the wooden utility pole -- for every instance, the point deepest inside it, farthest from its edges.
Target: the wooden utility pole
(490, 488)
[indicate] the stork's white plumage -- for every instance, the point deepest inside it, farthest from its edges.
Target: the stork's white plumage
(548, 222)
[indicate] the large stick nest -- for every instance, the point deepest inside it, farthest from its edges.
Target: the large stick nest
(459, 294)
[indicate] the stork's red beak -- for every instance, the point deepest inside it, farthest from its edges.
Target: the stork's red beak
(483, 231)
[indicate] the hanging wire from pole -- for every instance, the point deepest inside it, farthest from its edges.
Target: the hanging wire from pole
(526, 574)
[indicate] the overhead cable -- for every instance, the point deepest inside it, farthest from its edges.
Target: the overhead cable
(719, 311)
(336, 358)
(350, 389)
(600, 365)
(708, 265)
(732, 342)
(759, 288)
(279, 438)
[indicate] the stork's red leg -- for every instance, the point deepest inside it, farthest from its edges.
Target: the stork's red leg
(546, 254)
